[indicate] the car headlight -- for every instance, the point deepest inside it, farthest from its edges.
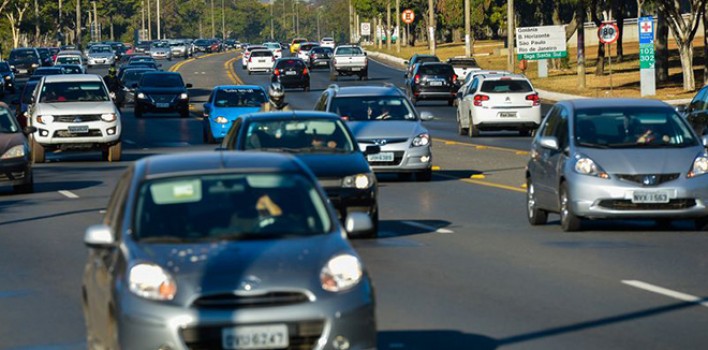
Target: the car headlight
(183, 96)
(35, 65)
(342, 272)
(221, 120)
(45, 119)
(14, 152)
(110, 117)
(151, 282)
(586, 166)
(359, 181)
(7, 77)
(700, 166)
(141, 95)
(421, 140)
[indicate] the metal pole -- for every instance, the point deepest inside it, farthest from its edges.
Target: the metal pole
(159, 36)
(431, 28)
(351, 22)
(272, 28)
(142, 20)
(318, 25)
(510, 33)
(581, 44)
(468, 41)
(398, 26)
(78, 24)
(149, 21)
(297, 19)
(95, 21)
(213, 30)
(223, 21)
(389, 32)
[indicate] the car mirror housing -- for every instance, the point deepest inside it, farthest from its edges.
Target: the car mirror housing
(704, 140)
(549, 142)
(681, 109)
(372, 149)
(358, 223)
(425, 115)
(29, 130)
(99, 237)
(189, 86)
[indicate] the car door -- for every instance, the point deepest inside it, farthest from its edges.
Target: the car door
(466, 103)
(540, 163)
(697, 111)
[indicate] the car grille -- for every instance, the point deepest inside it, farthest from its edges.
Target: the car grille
(67, 134)
(233, 301)
(640, 178)
(162, 98)
(330, 182)
(77, 118)
(626, 204)
(303, 336)
(12, 176)
(383, 141)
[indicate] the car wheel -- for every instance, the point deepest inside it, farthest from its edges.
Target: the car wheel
(569, 221)
(460, 130)
(113, 153)
(27, 187)
(374, 232)
(472, 131)
(38, 155)
(424, 176)
(536, 216)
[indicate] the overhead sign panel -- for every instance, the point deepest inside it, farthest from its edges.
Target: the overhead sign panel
(538, 43)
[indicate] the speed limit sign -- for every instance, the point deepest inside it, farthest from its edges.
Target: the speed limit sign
(608, 33)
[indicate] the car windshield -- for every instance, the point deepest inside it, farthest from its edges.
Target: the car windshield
(290, 64)
(354, 51)
(134, 75)
(48, 71)
(201, 42)
(631, 127)
(320, 49)
(464, 63)
(272, 45)
(8, 124)
(160, 45)
(100, 48)
(73, 91)
(379, 108)
(229, 207)
(436, 69)
(162, 80)
(421, 59)
(239, 98)
(506, 86)
(23, 55)
(141, 59)
(68, 60)
(27, 92)
(4, 67)
(298, 136)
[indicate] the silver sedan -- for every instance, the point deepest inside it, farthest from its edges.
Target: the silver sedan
(217, 250)
(616, 158)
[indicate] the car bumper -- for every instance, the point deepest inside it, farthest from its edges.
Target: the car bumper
(320, 62)
(99, 133)
(219, 131)
(15, 171)
(150, 105)
(144, 324)
(492, 117)
(158, 56)
(100, 61)
(411, 159)
(434, 93)
(260, 67)
(352, 70)
(597, 198)
(294, 81)
(349, 200)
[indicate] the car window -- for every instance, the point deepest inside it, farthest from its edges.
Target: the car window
(8, 124)
(700, 101)
(353, 51)
(506, 86)
(290, 64)
(435, 69)
(161, 80)
(85, 91)
(561, 131)
(298, 135)
(238, 207)
(375, 108)
(239, 98)
(22, 55)
(473, 87)
(28, 92)
(463, 63)
(631, 127)
(552, 121)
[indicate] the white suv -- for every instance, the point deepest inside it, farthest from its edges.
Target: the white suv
(74, 112)
(327, 42)
(499, 102)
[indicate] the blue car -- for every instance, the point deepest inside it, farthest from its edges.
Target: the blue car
(226, 103)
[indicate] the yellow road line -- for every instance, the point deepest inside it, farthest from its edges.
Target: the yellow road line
(485, 183)
(481, 147)
(231, 73)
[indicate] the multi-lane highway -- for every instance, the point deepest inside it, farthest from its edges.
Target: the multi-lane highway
(456, 266)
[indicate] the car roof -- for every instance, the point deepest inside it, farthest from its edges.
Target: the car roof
(290, 115)
(161, 72)
(61, 78)
(238, 87)
(367, 91)
(425, 64)
(615, 103)
(504, 77)
(180, 164)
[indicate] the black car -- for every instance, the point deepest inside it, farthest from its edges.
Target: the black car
(24, 61)
(22, 104)
(8, 77)
(15, 164)
(323, 142)
(142, 47)
(291, 72)
(202, 45)
(128, 79)
(161, 92)
(320, 57)
(418, 58)
(697, 111)
(45, 56)
(432, 81)
(42, 71)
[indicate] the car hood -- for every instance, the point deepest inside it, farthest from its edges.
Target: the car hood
(233, 112)
(331, 165)
(644, 161)
(365, 130)
(8, 141)
(162, 90)
(225, 267)
(71, 108)
(160, 50)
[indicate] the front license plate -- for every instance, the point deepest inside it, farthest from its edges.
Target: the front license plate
(436, 83)
(78, 129)
(162, 105)
(22, 71)
(255, 337)
(380, 157)
(290, 72)
(507, 114)
(650, 197)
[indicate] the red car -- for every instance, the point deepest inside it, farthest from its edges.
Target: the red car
(215, 46)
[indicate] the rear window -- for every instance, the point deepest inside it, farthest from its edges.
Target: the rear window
(427, 59)
(349, 51)
(436, 69)
(466, 63)
(239, 98)
(307, 47)
(502, 86)
(262, 53)
(23, 55)
(290, 64)
(322, 50)
(68, 60)
(162, 80)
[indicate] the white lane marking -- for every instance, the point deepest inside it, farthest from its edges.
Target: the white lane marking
(666, 292)
(426, 227)
(130, 142)
(68, 194)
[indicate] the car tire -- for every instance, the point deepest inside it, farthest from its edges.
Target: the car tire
(374, 232)
(472, 131)
(569, 221)
(535, 215)
(27, 187)
(38, 153)
(460, 130)
(451, 102)
(113, 152)
(424, 176)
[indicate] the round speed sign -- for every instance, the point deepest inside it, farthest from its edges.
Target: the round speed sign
(408, 16)
(608, 33)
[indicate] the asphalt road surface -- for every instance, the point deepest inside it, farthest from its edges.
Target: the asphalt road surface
(456, 267)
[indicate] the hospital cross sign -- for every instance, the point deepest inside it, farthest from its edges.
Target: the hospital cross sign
(646, 56)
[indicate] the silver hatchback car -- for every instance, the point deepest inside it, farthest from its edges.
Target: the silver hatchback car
(616, 158)
(225, 250)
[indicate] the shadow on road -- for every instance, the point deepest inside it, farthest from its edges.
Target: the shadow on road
(399, 228)
(434, 339)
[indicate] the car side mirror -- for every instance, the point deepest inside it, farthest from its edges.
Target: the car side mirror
(29, 130)
(112, 95)
(15, 102)
(704, 140)
(549, 142)
(681, 109)
(99, 237)
(406, 62)
(358, 223)
(425, 115)
(372, 149)
(188, 86)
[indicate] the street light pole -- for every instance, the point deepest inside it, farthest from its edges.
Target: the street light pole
(95, 21)
(159, 35)
(223, 22)
(468, 42)
(431, 28)
(78, 24)
(398, 25)
(272, 29)
(149, 21)
(510, 34)
(213, 31)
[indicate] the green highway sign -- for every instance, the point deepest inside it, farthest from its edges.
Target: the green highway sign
(646, 56)
(542, 55)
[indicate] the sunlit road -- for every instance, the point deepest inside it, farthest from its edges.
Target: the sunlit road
(456, 267)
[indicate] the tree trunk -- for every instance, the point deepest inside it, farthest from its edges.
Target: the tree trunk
(37, 32)
(620, 25)
(705, 47)
(686, 52)
(661, 63)
(112, 37)
(600, 67)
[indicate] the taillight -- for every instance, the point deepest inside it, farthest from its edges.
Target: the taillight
(416, 79)
(454, 78)
(305, 72)
(276, 72)
(479, 98)
(534, 97)
(250, 59)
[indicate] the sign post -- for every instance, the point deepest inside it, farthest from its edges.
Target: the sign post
(646, 56)
(408, 16)
(365, 29)
(541, 43)
(608, 33)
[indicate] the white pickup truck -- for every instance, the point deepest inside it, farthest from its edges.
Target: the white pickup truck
(349, 60)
